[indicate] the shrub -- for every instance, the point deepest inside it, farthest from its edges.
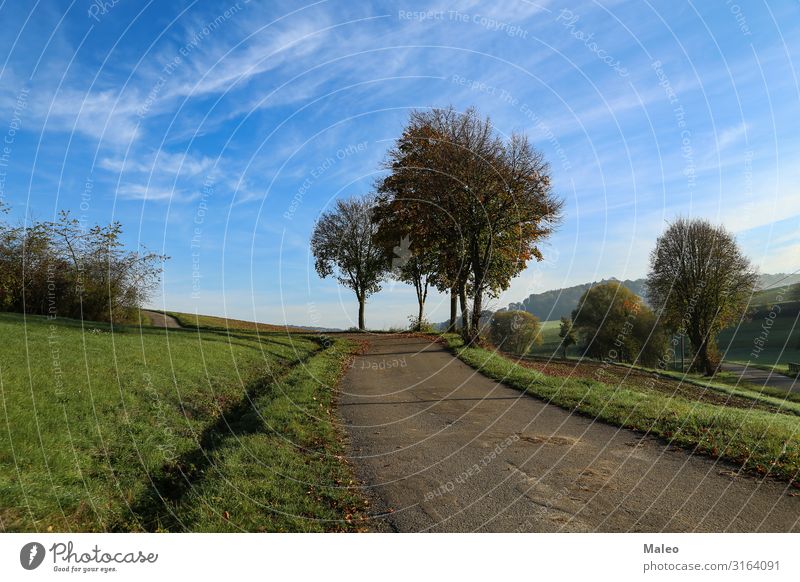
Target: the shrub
(515, 331)
(614, 323)
(61, 269)
(422, 325)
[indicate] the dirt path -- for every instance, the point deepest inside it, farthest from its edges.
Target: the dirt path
(443, 448)
(158, 319)
(762, 377)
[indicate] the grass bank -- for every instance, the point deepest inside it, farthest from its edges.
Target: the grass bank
(194, 321)
(766, 443)
(731, 384)
(131, 429)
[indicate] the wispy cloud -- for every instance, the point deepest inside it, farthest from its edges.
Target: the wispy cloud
(730, 136)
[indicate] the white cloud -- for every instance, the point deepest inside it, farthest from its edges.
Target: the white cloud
(731, 135)
(161, 175)
(146, 192)
(161, 162)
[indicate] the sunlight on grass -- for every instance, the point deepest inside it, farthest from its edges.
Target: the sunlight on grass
(91, 416)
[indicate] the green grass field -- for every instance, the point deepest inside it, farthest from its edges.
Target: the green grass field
(147, 429)
(760, 441)
(781, 338)
(550, 341)
(774, 322)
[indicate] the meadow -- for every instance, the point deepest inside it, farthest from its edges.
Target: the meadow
(192, 320)
(146, 429)
(770, 335)
(551, 342)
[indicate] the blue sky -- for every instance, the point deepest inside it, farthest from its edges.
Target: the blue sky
(216, 132)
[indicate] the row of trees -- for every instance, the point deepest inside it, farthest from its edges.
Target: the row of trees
(699, 283)
(461, 209)
(58, 268)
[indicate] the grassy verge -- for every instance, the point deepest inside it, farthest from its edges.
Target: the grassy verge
(727, 383)
(91, 419)
(758, 441)
(274, 465)
(724, 383)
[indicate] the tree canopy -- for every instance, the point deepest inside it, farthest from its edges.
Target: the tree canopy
(344, 245)
(515, 331)
(699, 283)
(613, 323)
(484, 204)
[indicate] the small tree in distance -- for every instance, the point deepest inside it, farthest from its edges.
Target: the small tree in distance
(567, 334)
(613, 323)
(699, 283)
(515, 331)
(417, 271)
(344, 245)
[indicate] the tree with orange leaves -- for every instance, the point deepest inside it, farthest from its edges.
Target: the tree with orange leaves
(484, 203)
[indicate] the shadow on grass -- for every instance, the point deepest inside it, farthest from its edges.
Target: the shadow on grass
(155, 510)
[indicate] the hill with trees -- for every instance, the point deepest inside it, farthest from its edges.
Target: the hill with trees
(557, 303)
(554, 304)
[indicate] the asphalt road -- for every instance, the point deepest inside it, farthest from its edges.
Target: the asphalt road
(762, 377)
(440, 447)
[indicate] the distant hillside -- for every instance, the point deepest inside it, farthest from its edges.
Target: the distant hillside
(554, 304)
(781, 279)
(561, 302)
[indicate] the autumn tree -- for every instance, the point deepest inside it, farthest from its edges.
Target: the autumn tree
(699, 283)
(515, 331)
(344, 245)
(483, 203)
(613, 323)
(411, 261)
(416, 201)
(567, 334)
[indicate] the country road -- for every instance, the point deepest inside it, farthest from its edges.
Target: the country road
(158, 319)
(762, 377)
(441, 448)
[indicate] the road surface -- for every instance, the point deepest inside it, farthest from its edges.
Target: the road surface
(159, 319)
(440, 447)
(762, 377)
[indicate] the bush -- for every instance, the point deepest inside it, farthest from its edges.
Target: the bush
(421, 325)
(613, 323)
(61, 269)
(515, 331)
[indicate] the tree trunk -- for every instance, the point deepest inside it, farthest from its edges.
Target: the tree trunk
(702, 357)
(361, 301)
(477, 309)
(453, 310)
(421, 287)
(462, 299)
